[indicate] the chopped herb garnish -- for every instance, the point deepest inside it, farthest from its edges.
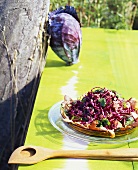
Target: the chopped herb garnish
(129, 121)
(105, 122)
(102, 102)
(98, 90)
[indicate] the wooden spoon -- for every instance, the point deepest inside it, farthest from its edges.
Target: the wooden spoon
(35, 154)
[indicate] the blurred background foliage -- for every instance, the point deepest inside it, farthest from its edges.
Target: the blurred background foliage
(111, 14)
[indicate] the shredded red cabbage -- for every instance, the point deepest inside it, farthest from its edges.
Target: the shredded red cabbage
(103, 105)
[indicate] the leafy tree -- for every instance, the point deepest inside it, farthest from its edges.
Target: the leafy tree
(113, 14)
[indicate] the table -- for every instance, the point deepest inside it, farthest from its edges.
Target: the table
(108, 58)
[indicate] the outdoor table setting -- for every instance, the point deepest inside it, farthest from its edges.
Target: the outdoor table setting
(108, 58)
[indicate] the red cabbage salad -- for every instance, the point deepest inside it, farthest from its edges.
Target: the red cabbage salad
(103, 109)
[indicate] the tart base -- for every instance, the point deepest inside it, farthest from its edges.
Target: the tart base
(101, 133)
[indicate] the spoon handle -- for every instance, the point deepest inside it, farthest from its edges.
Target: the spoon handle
(112, 153)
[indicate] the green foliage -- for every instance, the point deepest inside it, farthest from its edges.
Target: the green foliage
(113, 14)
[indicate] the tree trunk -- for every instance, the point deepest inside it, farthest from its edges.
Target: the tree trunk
(23, 47)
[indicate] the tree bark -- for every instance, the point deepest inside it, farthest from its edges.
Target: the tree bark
(23, 48)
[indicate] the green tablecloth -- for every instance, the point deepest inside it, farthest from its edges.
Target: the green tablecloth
(108, 58)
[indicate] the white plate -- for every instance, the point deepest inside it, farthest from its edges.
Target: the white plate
(55, 119)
